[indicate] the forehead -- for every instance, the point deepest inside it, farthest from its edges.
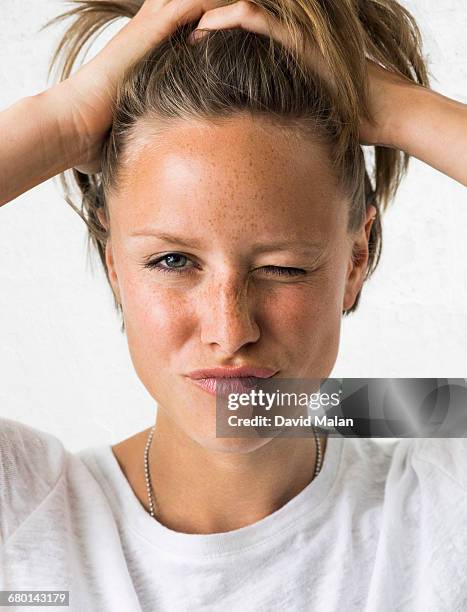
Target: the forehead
(238, 172)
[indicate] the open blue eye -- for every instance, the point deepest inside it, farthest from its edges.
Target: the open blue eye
(169, 259)
(172, 258)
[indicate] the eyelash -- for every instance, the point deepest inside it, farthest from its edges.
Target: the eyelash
(154, 265)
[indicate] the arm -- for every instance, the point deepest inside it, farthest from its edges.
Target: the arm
(35, 144)
(435, 131)
(419, 121)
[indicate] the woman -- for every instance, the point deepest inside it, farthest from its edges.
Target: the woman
(227, 260)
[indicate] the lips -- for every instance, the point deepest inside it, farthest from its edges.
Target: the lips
(244, 371)
(221, 381)
(222, 387)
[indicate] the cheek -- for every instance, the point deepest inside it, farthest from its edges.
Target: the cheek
(306, 321)
(156, 322)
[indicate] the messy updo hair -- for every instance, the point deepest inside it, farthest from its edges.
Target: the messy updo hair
(232, 72)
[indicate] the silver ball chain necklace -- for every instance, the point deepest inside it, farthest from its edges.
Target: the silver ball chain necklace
(147, 474)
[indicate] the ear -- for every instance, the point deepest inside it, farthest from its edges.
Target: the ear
(111, 271)
(109, 256)
(359, 261)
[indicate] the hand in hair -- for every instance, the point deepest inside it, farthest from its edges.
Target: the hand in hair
(87, 95)
(403, 114)
(254, 18)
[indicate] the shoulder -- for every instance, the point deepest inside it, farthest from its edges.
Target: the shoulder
(31, 463)
(28, 450)
(408, 463)
(430, 469)
(445, 458)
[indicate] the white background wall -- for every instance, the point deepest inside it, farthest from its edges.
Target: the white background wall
(65, 366)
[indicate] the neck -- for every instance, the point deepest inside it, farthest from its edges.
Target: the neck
(202, 491)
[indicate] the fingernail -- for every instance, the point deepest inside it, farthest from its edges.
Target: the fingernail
(196, 35)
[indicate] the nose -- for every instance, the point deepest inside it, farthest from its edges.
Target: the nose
(228, 317)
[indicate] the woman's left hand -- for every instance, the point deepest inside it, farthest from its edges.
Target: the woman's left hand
(250, 16)
(406, 116)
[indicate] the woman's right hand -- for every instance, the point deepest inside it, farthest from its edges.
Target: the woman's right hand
(83, 101)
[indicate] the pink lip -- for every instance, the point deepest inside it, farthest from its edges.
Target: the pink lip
(223, 386)
(232, 372)
(221, 381)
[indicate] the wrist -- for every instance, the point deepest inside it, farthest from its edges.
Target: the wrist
(393, 103)
(418, 111)
(433, 129)
(81, 138)
(71, 142)
(406, 106)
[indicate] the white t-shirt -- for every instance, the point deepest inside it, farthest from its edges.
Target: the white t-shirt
(382, 528)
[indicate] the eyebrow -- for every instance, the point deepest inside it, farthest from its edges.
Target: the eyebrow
(281, 245)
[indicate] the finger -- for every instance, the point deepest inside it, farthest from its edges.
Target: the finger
(158, 19)
(242, 14)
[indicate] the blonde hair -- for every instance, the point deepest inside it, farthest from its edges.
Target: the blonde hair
(235, 71)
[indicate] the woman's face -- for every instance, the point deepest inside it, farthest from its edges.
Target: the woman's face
(257, 266)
